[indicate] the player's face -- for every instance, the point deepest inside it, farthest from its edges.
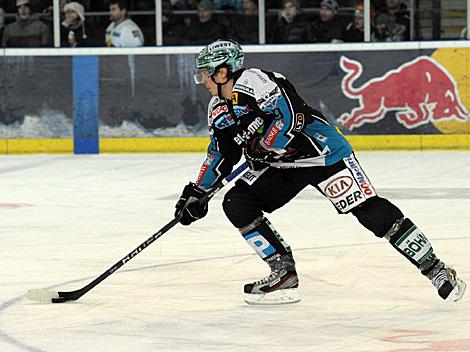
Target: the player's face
(202, 77)
(210, 85)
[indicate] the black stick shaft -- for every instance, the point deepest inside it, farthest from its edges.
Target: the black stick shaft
(74, 295)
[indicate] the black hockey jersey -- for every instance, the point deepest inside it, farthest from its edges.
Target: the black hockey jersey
(266, 108)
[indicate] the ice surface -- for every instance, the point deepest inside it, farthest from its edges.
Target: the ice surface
(66, 219)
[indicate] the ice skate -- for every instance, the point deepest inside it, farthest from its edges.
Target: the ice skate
(279, 287)
(448, 285)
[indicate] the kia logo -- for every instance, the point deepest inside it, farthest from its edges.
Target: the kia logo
(338, 186)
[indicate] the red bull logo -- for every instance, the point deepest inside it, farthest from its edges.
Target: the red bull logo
(419, 91)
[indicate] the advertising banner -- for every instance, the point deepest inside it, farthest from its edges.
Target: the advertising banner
(394, 92)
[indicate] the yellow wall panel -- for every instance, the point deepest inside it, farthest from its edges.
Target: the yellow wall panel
(199, 145)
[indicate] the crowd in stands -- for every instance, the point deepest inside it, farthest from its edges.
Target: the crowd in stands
(197, 22)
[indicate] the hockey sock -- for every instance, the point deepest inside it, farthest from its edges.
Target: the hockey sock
(264, 239)
(410, 241)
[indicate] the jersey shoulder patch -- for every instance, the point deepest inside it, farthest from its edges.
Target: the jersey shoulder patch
(255, 83)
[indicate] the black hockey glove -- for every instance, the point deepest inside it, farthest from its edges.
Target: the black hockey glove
(194, 210)
(257, 157)
(256, 162)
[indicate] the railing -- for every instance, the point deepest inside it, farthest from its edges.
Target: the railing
(430, 19)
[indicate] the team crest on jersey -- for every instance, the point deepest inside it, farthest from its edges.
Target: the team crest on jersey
(241, 110)
(224, 121)
(268, 100)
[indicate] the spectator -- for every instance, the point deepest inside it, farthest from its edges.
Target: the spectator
(73, 27)
(328, 28)
(293, 26)
(122, 31)
(244, 27)
(183, 5)
(26, 31)
(393, 25)
(354, 31)
(173, 27)
(206, 29)
(2, 23)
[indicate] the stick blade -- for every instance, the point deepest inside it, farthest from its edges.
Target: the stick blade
(42, 295)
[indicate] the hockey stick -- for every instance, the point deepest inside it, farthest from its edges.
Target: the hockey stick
(48, 296)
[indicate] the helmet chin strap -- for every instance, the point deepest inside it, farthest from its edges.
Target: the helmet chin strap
(219, 85)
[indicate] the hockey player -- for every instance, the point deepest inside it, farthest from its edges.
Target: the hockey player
(122, 31)
(288, 145)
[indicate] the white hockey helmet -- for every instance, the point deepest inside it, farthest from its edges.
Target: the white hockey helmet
(221, 52)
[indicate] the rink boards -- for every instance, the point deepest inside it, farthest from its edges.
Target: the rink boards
(199, 144)
(382, 96)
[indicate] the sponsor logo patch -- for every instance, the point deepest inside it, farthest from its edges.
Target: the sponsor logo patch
(342, 190)
(234, 98)
(299, 122)
(219, 45)
(415, 245)
(205, 166)
(251, 176)
(338, 186)
(244, 89)
(261, 78)
(360, 176)
(260, 244)
(252, 128)
(218, 110)
(273, 132)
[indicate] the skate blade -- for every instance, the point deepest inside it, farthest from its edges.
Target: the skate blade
(458, 291)
(286, 296)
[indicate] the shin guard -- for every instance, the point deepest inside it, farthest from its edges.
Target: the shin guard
(410, 241)
(264, 239)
